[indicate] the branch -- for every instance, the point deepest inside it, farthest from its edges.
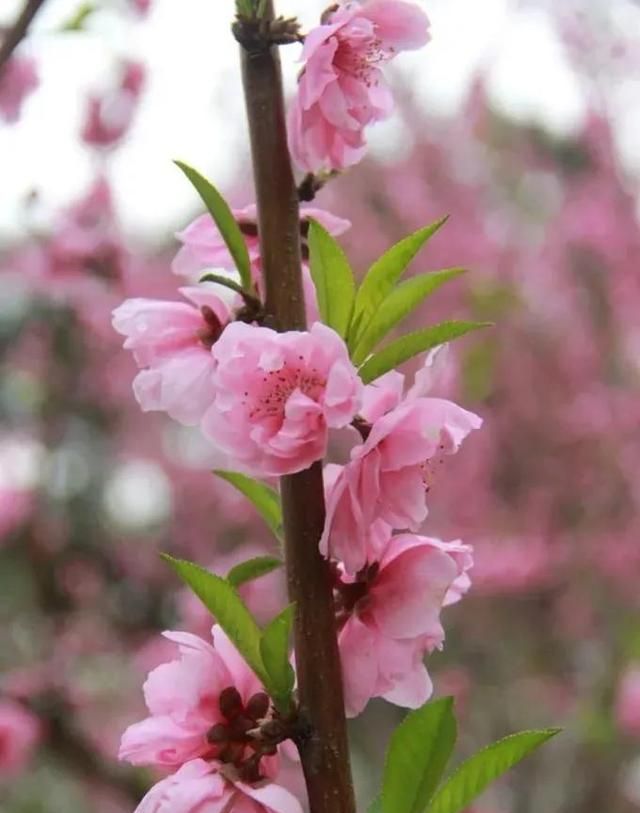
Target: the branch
(18, 31)
(323, 743)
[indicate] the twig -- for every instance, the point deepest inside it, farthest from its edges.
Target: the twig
(18, 31)
(323, 743)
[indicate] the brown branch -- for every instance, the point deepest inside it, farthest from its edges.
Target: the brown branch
(323, 744)
(18, 31)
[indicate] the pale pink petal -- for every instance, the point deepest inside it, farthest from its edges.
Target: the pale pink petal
(358, 656)
(400, 25)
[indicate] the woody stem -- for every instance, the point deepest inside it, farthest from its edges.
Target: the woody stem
(323, 739)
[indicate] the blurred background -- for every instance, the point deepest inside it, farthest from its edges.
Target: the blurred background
(522, 121)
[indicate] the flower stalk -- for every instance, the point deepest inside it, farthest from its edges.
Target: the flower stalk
(322, 740)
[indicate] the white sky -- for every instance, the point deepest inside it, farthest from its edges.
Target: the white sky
(192, 107)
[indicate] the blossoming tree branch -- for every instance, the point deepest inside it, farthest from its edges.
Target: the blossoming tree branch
(267, 356)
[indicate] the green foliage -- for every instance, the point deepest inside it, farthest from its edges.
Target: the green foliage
(412, 344)
(419, 751)
(219, 210)
(266, 652)
(274, 648)
(265, 499)
(376, 805)
(252, 569)
(79, 17)
(223, 601)
(332, 277)
(397, 306)
(245, 7)
(474, 775)
(382, 277)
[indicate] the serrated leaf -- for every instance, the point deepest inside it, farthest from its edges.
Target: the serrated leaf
(223, 601)
(418, 754)
(252, 569)
(399, 304)
(274, 648)
(412, 344)
(382, 277)
(265, 499)
(332, 277)
(221, 213)
(474, 775)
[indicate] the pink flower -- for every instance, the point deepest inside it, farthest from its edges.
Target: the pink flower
(171, 343)
(109, 116)
(18, 79)
(201, 706)
(19, 734)
(199, 788)
(141, 6)
(390, 618)
(203, 248)
(627, 705)
(389, 474)
(277, 394)
(342, 88)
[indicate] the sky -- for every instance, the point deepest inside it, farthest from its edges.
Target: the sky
(192, 107)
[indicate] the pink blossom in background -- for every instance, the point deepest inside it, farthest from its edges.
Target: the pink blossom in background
(199, 788)
(342, 89)
(193, 703)
(15, 507)
(171, 343)
(390, 473)
(389, 616)
(141, 6)
(627, 702)
(18, 79)
(277, 394)
(109, 115)
(20, 732)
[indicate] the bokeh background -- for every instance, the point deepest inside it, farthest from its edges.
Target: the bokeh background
(522, 121)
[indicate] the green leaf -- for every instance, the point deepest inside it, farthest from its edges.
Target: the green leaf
(222, 599)
(79, 17)
(382, 277)
(418, 754)
(225, 221)
(245, 7)
(474, 775)
(375, 806)
(399, 304)
(252, 569)
(265, 499)
(274, 648)
(412, 344)
(332, 277)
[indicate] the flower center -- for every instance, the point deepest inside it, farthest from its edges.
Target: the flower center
(354, 596)
(278, 385)
(360, 60)
(211, 328)
(233, 739)
(428, 469)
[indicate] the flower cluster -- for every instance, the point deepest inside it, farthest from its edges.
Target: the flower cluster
(389, 589)
(268, 401)
(207, 713)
